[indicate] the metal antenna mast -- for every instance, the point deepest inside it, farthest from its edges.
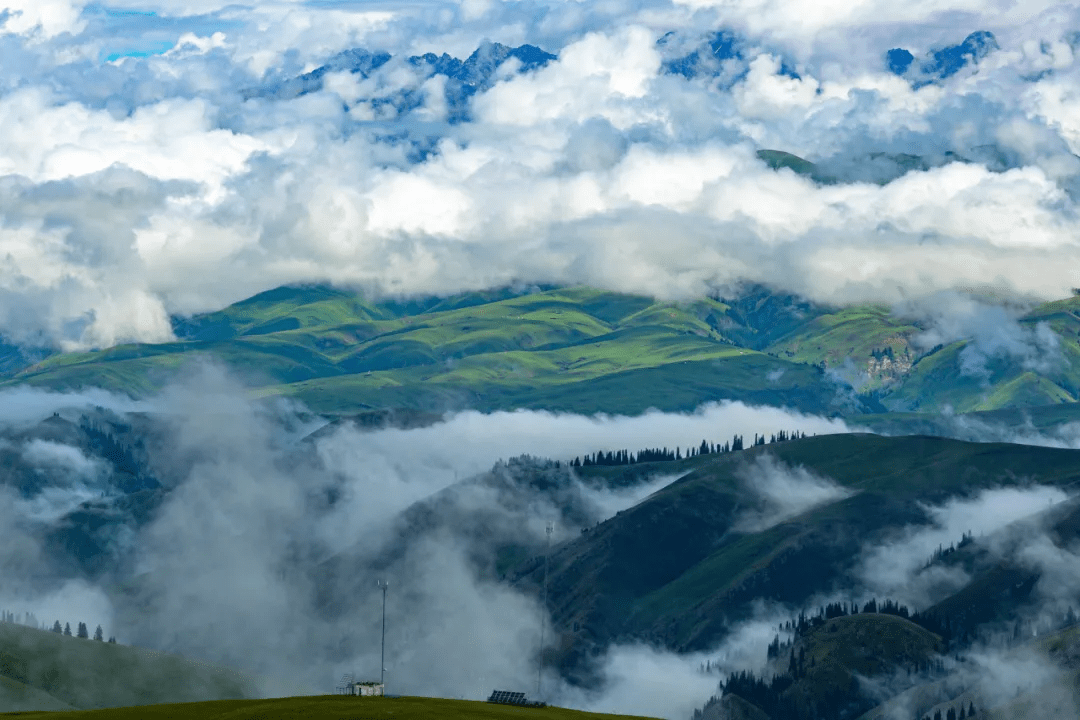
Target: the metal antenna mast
(543, 609)
(382, 658)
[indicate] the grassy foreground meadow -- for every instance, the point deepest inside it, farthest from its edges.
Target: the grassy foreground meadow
(322, 707)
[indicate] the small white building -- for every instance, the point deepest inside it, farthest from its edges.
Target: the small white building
(366, 688)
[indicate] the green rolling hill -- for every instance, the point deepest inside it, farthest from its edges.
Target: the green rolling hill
(584, 350)
(676, 570)
(673, 570)
(41, 670)
(564, 349)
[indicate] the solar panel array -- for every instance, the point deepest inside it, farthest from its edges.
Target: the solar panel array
(507, 698)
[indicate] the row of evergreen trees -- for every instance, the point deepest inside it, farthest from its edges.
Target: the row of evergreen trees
(951, 714)
(30, 620)
(82, 632)
(943, 552)
(625, 457)
(27, 619)
(805, 623)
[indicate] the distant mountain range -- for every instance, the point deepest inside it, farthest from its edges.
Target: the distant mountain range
(722, 54)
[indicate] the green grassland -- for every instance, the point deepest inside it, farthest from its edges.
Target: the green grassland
(327, 707)
(46, 670)
(939, 381)
(575, 349)
(571, 348)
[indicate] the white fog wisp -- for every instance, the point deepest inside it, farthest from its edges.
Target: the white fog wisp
(782, 493)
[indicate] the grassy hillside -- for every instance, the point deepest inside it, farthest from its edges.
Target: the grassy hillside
(854, 336)
(673, 569)
(865, 645)
(583, 350)
(778, 160)
(49, 670)
(1049, 374)
(329, 707)
(573, 348)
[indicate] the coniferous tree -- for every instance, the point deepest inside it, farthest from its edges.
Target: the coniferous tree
(774, 648)
(67, 629)
(112, 639)
(98, 635)
(83, 632)
(56, 627)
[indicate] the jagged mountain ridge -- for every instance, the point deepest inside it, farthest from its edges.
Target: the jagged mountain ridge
(721, 54)
(465, 78)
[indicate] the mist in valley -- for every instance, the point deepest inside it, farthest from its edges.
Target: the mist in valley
(268, 531)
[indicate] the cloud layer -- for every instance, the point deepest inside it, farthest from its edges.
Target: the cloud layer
(142, 174)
